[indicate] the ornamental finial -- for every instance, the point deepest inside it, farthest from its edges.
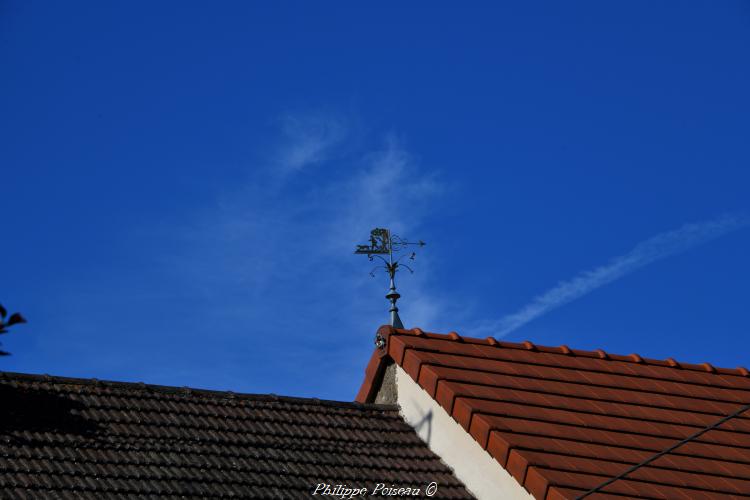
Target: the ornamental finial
(382, 242)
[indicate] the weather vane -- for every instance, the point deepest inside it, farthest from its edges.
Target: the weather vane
(382, 242)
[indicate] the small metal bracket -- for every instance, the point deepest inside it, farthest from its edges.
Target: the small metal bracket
(379, 341)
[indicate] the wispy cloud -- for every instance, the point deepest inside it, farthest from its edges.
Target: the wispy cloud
(260, 290)
(307, 139)
(651, 250)
(277, 255)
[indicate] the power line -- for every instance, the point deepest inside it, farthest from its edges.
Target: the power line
(662, 453)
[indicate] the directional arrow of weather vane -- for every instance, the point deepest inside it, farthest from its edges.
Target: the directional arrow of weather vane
(382, 242)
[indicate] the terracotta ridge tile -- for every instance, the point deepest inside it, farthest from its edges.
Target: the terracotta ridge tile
(512, 345)
(450, 336)
(599, 353)
(708, 367)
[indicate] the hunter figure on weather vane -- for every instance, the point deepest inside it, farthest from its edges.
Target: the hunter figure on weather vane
(383, 242)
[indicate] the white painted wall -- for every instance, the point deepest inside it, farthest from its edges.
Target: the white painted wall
(481, 474)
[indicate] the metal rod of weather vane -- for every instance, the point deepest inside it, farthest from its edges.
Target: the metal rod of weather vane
(383, 242)
(393, 295)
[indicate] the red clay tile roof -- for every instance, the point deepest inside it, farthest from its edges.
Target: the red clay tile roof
(72, 438)
(563, 421)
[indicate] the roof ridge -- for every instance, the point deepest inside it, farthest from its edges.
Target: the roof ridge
(564, 350)
(481, 372)
(191, 391)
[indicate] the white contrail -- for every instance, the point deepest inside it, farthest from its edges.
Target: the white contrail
(658, 247)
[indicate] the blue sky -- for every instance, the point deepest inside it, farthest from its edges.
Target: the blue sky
(183, 183)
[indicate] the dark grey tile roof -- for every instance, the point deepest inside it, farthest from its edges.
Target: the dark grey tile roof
(74, 438)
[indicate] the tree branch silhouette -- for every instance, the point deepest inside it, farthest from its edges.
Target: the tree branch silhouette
(13, 319)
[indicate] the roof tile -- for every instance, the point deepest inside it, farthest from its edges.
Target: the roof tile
(562, 421)
(72, 438)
